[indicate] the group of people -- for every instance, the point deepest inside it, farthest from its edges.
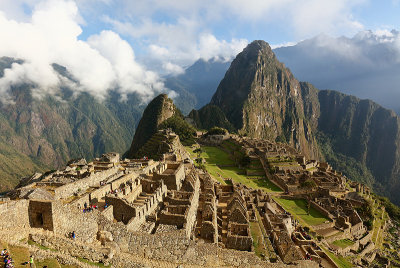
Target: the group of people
(89, 208)
(8, 261)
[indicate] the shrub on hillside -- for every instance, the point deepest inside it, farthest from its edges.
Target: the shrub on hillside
(178, 125)
(217, 131)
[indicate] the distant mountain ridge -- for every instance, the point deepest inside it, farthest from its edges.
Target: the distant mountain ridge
(261, 98)
(366, 65)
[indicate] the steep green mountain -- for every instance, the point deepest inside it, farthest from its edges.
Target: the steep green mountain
(160, 113)
(48, 132)
(41, 134)
(215, 116)
(158, 110)
(261, 98)
(197, 84)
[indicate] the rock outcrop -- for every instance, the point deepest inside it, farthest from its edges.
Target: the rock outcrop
(156, 112)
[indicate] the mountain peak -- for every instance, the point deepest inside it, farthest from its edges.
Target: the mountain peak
(258, 47)
(261, 98)
(158, 110)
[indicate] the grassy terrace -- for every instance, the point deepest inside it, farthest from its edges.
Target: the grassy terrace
(298, 208)
(343, 243)
(342, 262)
(257, 240)
(221, 166)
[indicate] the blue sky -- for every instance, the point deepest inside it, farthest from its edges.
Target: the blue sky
(146, 23)
(157, 37)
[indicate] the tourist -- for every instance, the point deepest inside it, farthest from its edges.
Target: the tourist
(31, 262)
(73, 235)
(85, 205)
(3, 252)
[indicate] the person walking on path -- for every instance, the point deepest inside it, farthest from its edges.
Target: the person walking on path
(31, 265)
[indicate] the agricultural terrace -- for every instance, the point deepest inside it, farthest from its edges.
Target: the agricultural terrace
(343, 243)
(221, 166)
(298, 208)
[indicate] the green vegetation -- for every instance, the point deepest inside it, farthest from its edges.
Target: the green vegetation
(299, 207)
(210, 116)
(339, 260)
(10, 172)
(352, 168)
(217, 131)
(366, 213)
(309, 183)
(48, 263)
(257, 239)
(220, 166)
(392, 209)
(343, 243)
(178, 125)
(32, 243)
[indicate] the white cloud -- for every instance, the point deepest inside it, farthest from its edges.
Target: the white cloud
(183, 34)
(104, 62)
(180, 44)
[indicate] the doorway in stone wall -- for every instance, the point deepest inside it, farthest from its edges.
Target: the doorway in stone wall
(39, 220)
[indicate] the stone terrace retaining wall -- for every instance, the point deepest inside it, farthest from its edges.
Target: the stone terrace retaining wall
(321, 210)
(14, 214)
(67, 218)
(108, 213)
(69, 247)
(94, 179)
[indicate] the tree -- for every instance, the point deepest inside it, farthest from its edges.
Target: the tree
(198, 151)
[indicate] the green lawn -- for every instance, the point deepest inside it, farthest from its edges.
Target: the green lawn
(298, 208)
(343, 243)
(257, 240)
(339, 260)
(221, 166)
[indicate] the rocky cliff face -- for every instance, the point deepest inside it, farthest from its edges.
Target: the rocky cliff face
(157, 111)
(367, 132)
(262, 99)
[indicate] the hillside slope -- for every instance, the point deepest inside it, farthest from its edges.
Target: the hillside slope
(261, 98)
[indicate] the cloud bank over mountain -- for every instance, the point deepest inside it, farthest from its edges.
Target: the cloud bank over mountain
(104, 61)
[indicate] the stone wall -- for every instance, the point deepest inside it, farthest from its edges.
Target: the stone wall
(14, 214)
(172, 219)
(192, 213)
(122, 211)
(108, 213)
(239, 242)
(366, 239)
(116, 184)
(65, 245)
(321, 210)
(147, 208)
(99, 193)
(172, 176)
(80, 202)
(67, 218)
(94, 179)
